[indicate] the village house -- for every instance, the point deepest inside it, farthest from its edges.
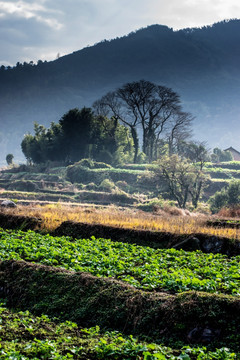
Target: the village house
(234, 152)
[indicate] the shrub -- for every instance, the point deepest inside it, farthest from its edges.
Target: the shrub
(234, 193)
(101, 165)
(23, 185)
(218, 200)
(202, 208)
(107, 185)
(90, 164)
(229, 196)
(152, 205)
(91, 186)
(123, 185)
(141, 159)
(82, 175)
(9, 159)
(230, 212)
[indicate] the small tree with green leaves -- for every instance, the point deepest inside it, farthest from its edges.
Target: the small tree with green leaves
(9, 159)
(219, 155)
(185, 180)
(227, 197)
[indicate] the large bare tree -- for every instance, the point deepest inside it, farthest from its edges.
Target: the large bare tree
(142, 104)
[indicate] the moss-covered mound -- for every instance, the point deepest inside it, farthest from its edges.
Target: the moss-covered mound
(188, 317)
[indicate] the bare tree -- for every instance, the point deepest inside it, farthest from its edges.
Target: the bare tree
(143, 104)
(113, 106)
(198, 154)
(177, 174)
(184, 179)
(178, 130)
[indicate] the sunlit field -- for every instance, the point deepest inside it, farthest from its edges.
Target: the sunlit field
(53, 215)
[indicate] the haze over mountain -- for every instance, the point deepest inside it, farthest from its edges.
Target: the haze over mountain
(202, 65)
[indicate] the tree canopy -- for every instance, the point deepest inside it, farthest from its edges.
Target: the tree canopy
(185, 181)
(79, 134)
(155, 109)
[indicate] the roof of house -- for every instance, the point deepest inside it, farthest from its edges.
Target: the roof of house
(232, 149)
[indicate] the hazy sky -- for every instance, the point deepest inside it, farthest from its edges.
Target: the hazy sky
(40, 29)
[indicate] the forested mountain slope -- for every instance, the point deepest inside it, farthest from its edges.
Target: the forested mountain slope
(202, 65)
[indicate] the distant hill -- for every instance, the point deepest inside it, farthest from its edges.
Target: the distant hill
(202, 65)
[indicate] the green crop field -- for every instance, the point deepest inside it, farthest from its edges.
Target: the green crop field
(142, 267)
(24, 336)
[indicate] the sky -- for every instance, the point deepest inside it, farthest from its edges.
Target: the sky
(32, 30)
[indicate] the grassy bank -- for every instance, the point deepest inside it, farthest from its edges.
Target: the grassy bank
(25, 336)
(89, 300)
(174, 222)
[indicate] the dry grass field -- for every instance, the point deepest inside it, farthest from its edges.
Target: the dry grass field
(53, 215)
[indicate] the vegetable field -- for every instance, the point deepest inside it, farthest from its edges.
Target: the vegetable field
(142, 267)
(175, 298)
(42, 338)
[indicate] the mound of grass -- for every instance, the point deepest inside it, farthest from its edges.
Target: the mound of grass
(233, 165)
(9, 221)
(25, 195)
(80, 174)
(111, 304)
(105, 198)
(23, 185)
(25, 336)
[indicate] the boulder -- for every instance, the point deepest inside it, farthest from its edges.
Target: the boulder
(203, 335)
(8, 203)
(213, 244)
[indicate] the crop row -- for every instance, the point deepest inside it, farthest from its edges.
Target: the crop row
(233, 165)
(142, 267)
(24, 336)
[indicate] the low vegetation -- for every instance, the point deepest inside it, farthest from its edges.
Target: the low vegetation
(42, 338)
(129, 185)
(171, 220)
(142, 267)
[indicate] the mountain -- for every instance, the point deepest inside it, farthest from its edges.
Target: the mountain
(200, 64)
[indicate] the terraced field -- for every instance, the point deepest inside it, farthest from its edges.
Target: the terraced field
(188, 301)
(78, 184)
(74, 297)
(42, 338)
(142, 267)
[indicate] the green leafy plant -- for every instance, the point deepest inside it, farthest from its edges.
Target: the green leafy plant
(25, 337)
(143, 267)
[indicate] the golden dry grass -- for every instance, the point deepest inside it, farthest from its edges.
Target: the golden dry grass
(53, 215)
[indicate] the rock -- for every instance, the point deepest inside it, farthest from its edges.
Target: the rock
(202, 335)
(190, 244)
(8, 203)
(195, 335)
(213, 244)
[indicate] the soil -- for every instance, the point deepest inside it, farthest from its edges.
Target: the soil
(224, 223)
(8, 221)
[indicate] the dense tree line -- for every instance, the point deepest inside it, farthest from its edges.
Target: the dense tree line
(111, 134)
(78, 134)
